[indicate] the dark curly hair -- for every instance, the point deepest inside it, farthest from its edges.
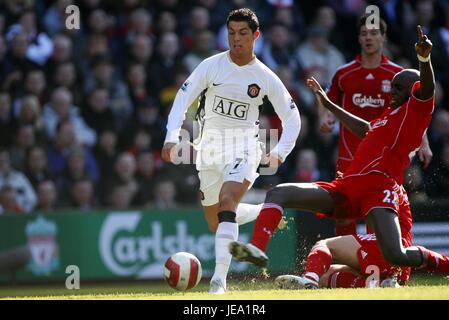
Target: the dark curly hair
(246, 15)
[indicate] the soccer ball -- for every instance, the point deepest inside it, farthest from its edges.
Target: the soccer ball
(182, 271)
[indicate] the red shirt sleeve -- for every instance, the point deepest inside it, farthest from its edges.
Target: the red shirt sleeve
(333, 91)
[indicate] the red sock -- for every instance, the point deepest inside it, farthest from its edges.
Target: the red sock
(346, 229)
(318, 262)
(345, 280)
(435, 261)
(266, 223)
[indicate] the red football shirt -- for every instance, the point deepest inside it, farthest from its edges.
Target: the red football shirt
(363, 92)
(392, 138)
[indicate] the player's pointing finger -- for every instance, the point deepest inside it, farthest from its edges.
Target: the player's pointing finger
(420, 33)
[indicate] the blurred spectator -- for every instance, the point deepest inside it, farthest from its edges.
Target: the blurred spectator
(62, 52)
(29, 113)
(439, 130)
(124, 177)
(307, 166)
(279, 49)
(168, 93)
(40, 45)
(13, 9)
(203, 47)
(104, 75)
(36, 84)
(217, 10)
(289, 15)
(97, 111)
(199, 20)
(141, 49)
(25, 195)
(136, 79)
(120, 198)
(36, 169)
(60, 147)
(141, 141)
(146, 178)
(16, 64)
(96, 46)
(105, 152)
(437, 184)
(326, 18)
(66, 75)
(82, 194)
(164, 195)
(47, 196)
(75, 170)
(289, 80)
(140, 23)
(7, 121)
(318, 56)
(54, 19)
(8, 200)
(166, 22)
(25, 138)
(147, 118)
(61, 108)
(164, 63)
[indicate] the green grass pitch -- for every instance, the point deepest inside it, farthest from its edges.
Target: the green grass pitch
(420, 287)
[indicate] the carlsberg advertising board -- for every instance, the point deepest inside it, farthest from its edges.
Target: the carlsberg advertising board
(122, 245)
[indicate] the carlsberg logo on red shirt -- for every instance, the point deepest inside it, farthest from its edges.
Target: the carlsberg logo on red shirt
(364, 101)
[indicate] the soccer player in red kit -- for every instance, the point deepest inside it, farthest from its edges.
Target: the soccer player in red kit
(370, 188)
(363, 88)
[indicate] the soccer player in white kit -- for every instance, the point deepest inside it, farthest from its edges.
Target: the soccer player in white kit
(232, 86)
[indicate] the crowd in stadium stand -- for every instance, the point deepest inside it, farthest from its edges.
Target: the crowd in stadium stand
(83, 112)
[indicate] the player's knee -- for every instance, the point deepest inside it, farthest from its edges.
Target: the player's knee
(320, 243)
(276, 195)
(212, 226)
(227, 202)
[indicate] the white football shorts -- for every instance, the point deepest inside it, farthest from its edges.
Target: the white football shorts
(212, 176)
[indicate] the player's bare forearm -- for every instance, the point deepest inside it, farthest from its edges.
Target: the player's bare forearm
(356, 125)
(427, 80)
(423, 48)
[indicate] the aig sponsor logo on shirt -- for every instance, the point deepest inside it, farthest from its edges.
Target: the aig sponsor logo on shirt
(230, 108)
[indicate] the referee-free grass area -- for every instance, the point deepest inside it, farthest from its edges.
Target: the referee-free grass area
(421, 287)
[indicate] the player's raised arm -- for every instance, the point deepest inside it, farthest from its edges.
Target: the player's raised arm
(356, 125)
(423, 48)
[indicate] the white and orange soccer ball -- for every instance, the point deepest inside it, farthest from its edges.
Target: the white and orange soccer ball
(182, 271)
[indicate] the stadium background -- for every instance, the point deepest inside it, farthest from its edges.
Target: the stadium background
(82, 122)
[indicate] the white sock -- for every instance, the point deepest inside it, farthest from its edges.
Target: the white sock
(226, 233)
(247, 212)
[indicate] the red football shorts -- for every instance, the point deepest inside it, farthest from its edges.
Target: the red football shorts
(355, 196)
(371, 260)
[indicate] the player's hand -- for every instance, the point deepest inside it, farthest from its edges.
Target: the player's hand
(167, 151)
(424, 46)
(316, 88)
(425, 155)
(327, 122)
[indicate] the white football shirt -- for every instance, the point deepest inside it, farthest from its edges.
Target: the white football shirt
(233, 95)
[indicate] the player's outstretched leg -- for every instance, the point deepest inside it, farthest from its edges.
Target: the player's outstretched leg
(304, 196)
